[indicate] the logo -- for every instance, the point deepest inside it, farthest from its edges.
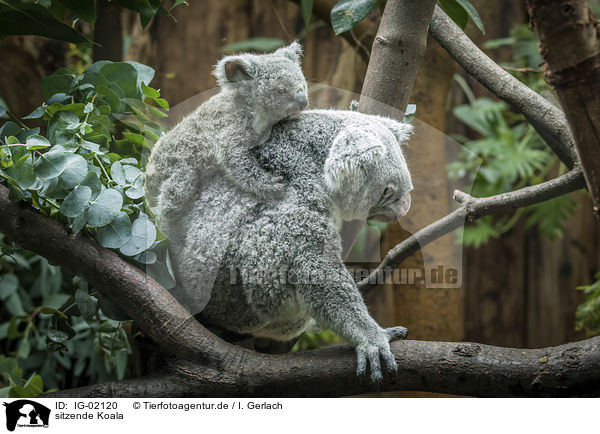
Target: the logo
(26, 413)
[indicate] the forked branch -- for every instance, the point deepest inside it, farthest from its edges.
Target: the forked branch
(471, 209)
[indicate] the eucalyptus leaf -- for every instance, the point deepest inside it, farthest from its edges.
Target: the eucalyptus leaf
(105, 208)
(9, 283)
(348, 13)
(75, 170)
(117, 173)
(143, 235)
(86, 303)
(93, 182)
(77, 201)
(117, 233)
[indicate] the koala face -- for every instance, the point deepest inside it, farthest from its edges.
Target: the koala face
(272, 84)
(366, 173)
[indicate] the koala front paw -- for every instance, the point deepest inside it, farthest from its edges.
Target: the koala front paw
(374, 354)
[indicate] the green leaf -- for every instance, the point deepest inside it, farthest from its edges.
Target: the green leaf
(2, 111)
(77, 201)
(89, 107)
(135, 138)
(87, 304)
(17, 18)
(92, 181)
(456, 12)
(117, 173)
(124, 75)
(149, 92)
(105, 208)
(348, 13)
(53, 84)
(117, 233)
(306, 6)
(551, 215)
(162, 103)
(9, 283)
(143, 235)
(57, 335)
(132, 174)
(136, 191)
(37, 113)
(22, 172)
(84, 9)
(51, 164)
(36, 141)
(75, 170)
(111, 97)
(24, 349)
(254, 44)
(470, 9)
(14, 305)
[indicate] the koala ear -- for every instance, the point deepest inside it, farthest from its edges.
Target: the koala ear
(292, 52)
(233, 69)
(400, 130)
(353, 156)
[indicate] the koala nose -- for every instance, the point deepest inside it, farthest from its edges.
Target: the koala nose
(403, 206)
(301, 99)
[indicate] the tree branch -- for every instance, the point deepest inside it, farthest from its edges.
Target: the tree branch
(445, 367)
(151, 306)
(548, 120)
(397, 51)
(569, 37)
(471, 209)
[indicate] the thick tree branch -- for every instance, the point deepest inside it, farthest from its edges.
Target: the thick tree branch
(548, 120)
(397, 51)
(569, 37)
(471, 209)
(445, 367)
(151, 306)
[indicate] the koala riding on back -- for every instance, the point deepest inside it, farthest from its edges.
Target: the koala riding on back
(256, 92)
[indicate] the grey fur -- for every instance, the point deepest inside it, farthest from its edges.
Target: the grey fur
(256, 92)
(275, 267)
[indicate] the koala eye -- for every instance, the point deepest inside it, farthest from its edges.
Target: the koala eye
(282, 90)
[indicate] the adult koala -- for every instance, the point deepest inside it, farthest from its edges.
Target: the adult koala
(274, 267)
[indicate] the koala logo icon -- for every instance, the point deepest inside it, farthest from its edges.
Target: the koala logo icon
(26, 413)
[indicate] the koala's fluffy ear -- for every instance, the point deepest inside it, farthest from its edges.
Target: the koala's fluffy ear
(233, 69)
(400, 130)
(353, 156)
(292, 52)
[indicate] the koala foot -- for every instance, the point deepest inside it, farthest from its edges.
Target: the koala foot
(397, 332)
(374, 354)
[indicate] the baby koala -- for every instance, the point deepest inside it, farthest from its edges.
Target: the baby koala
(256, 91)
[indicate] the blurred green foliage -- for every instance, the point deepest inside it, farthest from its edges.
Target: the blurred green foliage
(587, 317)
(58, 19)
(508, 153)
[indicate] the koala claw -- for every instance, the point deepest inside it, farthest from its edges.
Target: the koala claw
(397, 332)
(373, 354)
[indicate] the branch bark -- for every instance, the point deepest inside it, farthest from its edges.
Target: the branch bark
(569, 37)
(471, 209)
(445, 367)
(397, 51)
(548, 120)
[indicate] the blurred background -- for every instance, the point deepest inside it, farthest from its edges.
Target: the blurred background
(519, 271)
